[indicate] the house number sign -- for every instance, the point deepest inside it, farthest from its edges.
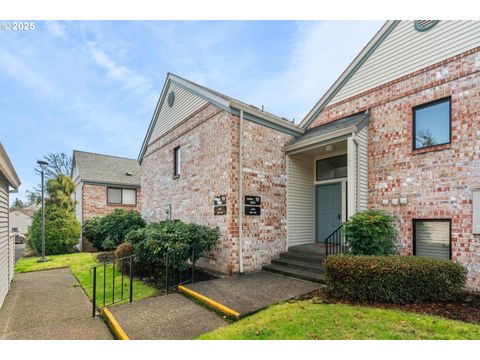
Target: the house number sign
(220, 205)
(252, 210)
(253, 200)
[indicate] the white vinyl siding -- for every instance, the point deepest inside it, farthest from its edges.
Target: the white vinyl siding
(6, 261)
(406, 50)
(300, 200)
(432, 238)
(362, 169)
(185, 104)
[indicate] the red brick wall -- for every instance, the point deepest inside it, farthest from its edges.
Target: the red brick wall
(437, 184)
(210, 165)
(94, 200)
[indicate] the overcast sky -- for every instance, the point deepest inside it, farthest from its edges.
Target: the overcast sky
(93, 85)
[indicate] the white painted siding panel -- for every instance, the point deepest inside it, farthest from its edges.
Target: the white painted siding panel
(185, 104)
(406, 50)
(362, 169)
(5, 253)
(300, 201)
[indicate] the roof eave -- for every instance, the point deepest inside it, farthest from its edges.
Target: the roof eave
(7, 169)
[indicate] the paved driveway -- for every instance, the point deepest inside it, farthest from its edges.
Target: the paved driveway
(49, 305)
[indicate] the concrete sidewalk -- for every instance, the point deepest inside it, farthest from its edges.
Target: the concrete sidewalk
(49, 305)
(251, 292)
(165, 317)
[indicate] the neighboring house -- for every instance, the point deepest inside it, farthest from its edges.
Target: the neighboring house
(398, 131)
(8, 181)
(104, 183)
(20, 221)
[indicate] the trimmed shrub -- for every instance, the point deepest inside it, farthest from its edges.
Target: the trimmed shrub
(174, 238)
(92, 231)
(109, 231)
(62, 231)
(371, 233)
(394, 279)
(124, 250)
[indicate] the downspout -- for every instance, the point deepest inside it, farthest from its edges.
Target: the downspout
(240, 192)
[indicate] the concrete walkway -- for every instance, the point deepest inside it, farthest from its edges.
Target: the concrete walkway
(49, 305)
(251, 292)
(165, 317)
(176, 317)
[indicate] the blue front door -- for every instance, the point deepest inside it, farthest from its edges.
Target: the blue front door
(328, 209)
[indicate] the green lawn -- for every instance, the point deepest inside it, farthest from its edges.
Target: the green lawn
(80, 264)
(307, 320)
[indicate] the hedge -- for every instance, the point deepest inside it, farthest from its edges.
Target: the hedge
(109, 231)
(153, 242)
(394, 279)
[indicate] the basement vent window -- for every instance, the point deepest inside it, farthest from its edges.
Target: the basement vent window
(424, 25)
(432, 238)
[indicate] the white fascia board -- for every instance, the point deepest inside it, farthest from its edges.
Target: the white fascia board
(7, 169)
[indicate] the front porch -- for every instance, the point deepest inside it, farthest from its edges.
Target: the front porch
(327, 174)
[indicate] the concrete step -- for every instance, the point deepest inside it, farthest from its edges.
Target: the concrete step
(296, 273)
(308, 258)
(300, 265)
(307, 249)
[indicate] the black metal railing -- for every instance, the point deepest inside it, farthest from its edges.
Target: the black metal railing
(335, 242)
(179, 267)
(112, 282)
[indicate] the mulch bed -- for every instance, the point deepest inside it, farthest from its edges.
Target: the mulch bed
(466, 307)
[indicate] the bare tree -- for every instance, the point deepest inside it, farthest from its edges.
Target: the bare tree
(58, 164)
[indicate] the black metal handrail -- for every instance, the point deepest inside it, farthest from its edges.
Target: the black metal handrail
(335, 242)
(179, 272)
(106, 266)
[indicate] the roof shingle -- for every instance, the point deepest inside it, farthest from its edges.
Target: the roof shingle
(108, 169)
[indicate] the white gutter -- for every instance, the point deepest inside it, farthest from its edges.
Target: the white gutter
(240, 192)
(265, 115)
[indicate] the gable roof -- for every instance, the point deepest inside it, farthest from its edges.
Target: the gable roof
(359, 60)
(106, 169)
(7, 169)
(224, 102)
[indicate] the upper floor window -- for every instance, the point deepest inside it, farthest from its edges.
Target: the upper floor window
(331, 168)
(432, 124)
(176, 161)
(121, 196)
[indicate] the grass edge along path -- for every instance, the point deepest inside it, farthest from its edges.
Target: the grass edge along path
(308, 321)
(80, 265)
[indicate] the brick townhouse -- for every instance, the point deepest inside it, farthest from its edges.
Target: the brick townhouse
(104, 183)
(399, 130)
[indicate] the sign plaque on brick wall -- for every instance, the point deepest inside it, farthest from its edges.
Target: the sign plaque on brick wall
(220, 210)
(253, 200)
(220, 205)
(220, 200)
(252, 210)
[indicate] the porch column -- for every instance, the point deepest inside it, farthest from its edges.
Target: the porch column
(351, 177)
